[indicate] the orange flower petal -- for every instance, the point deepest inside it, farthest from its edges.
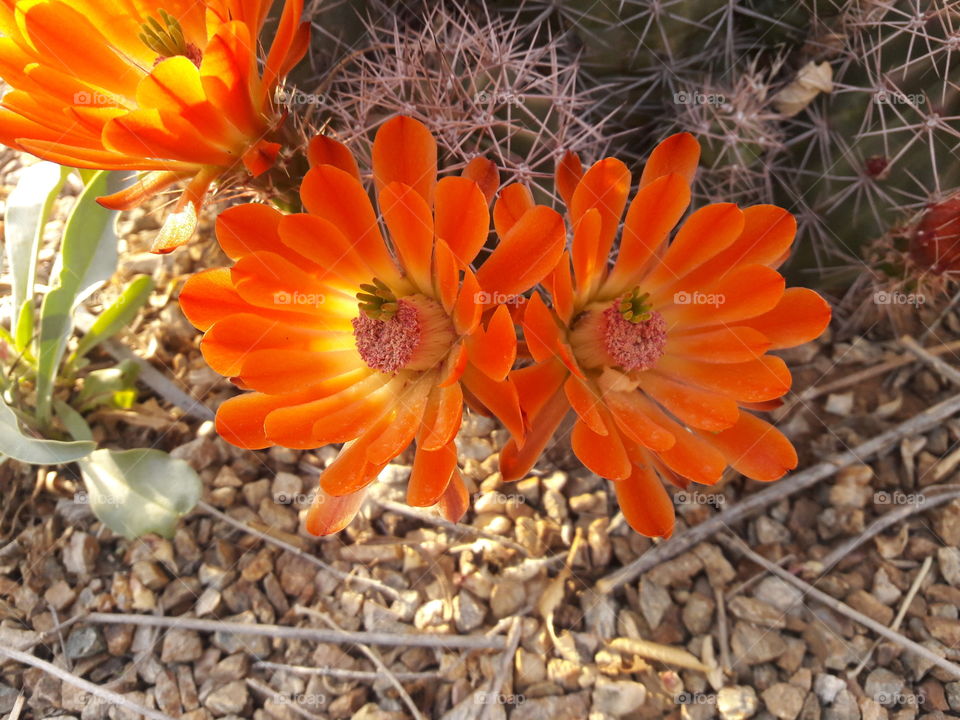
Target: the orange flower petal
(645, 503)
(560, 285)
(690, 456)
(410, 222)
(404, 151)
(525, 254)
(755, 448)
(320, 242)
(515, 200)
(765, 378)
(678, 154)
(587, 267)
(603, 454)
(408, 410)
(516, 463)
(324, 150)
(432, 470)
(455, 500)
(161, 133)
(271, 281)
(605, 186)
(693, 406)
(351, 471)
(446, 276)
(540, 329)
(208, 296)
(721, 345)
(485, 174)
(500, 398)
(537, 384)
(653, 213)
(454, 365)
(568, 175)
(329, 514)
(800, 316)
(248, 228)
(494, 350)
(442, 417)
(284, 370)
(746, 292)
(631, 414)
(707, 232)
(339, 198)
(585, 403)
(228, 72)
(462, 218)
(469, 307)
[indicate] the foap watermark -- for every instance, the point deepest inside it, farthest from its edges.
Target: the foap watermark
(84, 498)
(900, 698)
(500, 498)
(92, 98)
(282, 297)
(301, 699)
(895, 97)
(494, 698)
(687, 497)
(498, 98)
(685, 97)
(885, 297)
(685, 297)
(293, 96)
(693, 698)
(498, 298)
(283, 498)
(898, 497)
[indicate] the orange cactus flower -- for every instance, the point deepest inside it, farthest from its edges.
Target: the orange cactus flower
(169, 87)
(347, 337)
(663, 355)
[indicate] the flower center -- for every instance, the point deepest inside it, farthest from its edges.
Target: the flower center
(409, 333)
(165, 37)
(635, 343)
(388, 344)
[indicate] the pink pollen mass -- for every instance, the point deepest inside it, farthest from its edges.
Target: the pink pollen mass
(633, 346)
(388, 345)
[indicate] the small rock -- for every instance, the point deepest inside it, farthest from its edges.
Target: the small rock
(83, 642)
(884, 687)
(868, 604)
(530, 668)
(468, 613)
(558, 707)
(754, 645)
(783, 700)
(953, 695)
(827, 687)
(60, 595)
(943, 629)
(844, 707)
(883, 588)
(507, 598)
(736, 702)
(654, 602)
(839, 403)
(618, 697)
(80, 554)
(698, 613)
(770, 532)
(181, 646)
(286, 488)
(229, 699)
(778, 593)
(948, 558)
(118, 638)
(946, 524)
(757, 612)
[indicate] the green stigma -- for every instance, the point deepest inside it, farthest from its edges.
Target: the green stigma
(377, 300)
(634, 306)
(166, 38)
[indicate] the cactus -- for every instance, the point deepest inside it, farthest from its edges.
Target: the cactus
(478, 82)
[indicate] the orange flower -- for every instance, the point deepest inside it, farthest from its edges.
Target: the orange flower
(662, 355)
(344, 338)
(168, 87)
